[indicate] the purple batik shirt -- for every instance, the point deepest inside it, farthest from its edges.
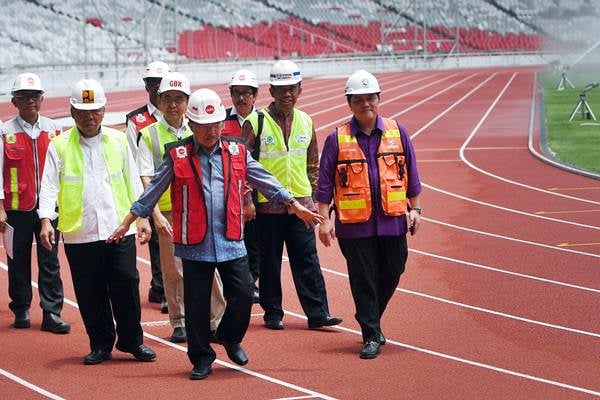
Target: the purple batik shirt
(379, 224)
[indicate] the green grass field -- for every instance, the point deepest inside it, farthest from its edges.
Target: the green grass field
(576, 142)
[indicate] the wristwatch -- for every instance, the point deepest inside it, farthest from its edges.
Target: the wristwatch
(291, 202)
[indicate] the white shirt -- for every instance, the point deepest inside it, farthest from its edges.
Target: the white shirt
(20, 125)
(100, 216)
(132, 132)
(144, 159)
(238, 116)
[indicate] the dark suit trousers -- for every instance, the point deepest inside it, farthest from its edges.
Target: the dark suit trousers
(27, 225)
(374, 268)
(275, 230)
(251, 243)
(197, 286)
(106, 284)
(156, 283)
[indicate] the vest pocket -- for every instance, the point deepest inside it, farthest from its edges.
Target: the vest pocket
(14, 152)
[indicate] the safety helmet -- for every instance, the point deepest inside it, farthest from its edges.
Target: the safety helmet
(27, 81)
(156, 69)
(88, 94)
(205, 107)
(362, 82)
(243, 77)
(285, 72)
(175, 81)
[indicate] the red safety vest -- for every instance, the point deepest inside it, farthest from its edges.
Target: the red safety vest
(231, 125)
(24, 160)
(352, 196)
(187, 194)
(141, 118)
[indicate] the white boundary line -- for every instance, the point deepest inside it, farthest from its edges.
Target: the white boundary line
(510, 181)
(483, 310)
(30, 385)
(469, 362)
(217, 361)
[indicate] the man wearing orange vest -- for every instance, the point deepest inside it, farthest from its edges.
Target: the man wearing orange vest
(368, 169)
(243, 89)
(207, 175)
(137, 120)
(23, 148)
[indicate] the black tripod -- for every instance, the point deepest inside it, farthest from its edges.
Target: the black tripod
(584, 108)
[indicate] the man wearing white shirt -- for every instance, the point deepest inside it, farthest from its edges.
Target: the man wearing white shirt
(90, 172)
(137, 120)
(23, 147)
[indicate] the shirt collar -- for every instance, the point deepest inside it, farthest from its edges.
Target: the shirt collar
(235, 112)
(25, 124)
(201, 149)
(152, 109)
(354, 129)
(173, 130)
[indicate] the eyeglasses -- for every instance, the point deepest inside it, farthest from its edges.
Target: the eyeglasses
(27, 96)
(247, 94)
(96, 112)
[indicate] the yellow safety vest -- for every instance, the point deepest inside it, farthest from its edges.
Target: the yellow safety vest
(70, 195)
(287, 165)
(156, 136)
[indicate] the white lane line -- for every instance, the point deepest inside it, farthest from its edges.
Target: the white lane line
(222, 363)
(347, 117)
(503, 271)
(483, 310)
(467, 361)
(511, 210)
(30, 385)
(510, 181)
(245, 370)
(494, 235)
(455, 104)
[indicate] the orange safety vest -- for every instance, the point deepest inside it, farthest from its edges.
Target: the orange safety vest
(187, 193)
(352, 194)
(24, 160)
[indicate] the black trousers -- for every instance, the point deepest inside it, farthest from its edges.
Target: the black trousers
(156, 283)
(251, 243)
(374, 267)
(27, 225)
(197, 285)
(275, 230)
(106, 285)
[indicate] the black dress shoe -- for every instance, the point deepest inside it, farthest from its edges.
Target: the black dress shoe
(154, 297)
(22, 320)
(381, 338)
(370, 350)
(52, 323)
(236, 353)
(179, 335)
(327, 321)
(164, 307)
(96, 357)
(275, 324)
(199, 373)
(141, 353)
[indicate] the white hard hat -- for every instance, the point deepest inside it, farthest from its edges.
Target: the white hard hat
(362, 82)
(243, 77)
(88, 94)
(156, 69)
(285, 72)
(27, 81)
(175, 81)
(205, 107)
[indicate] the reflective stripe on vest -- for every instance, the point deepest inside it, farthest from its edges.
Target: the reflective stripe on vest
(352, 195)
(156, 137)
(24, 160)
(70, 195)
(286, 163)
(189, 210)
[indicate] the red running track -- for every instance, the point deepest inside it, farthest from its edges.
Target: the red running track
(500, 298)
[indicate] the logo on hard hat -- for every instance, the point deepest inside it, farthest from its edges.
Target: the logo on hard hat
(87, 96)
(175, 84)
(30, 80)
(242, 77)
(209, 109)
(159, 70)
(365, 82)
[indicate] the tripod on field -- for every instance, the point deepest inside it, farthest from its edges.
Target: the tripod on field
(564, 81)
(582, 106)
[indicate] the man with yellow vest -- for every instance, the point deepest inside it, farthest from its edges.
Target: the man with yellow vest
(137, 120)
(368, 170)
(90, 172)
(23, 145)
(287, 148)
